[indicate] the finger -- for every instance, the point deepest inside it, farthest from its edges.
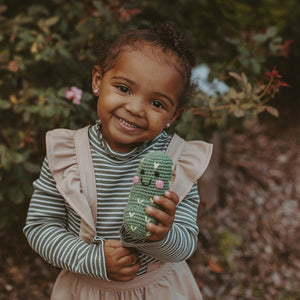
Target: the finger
(162, 217)
(126, 273)
(117, 245)
(113, 243)
(131, 270)
(158, 232)
(128, 260)
(116, 251)
(172, 196)
(166, 215)
(167, 204)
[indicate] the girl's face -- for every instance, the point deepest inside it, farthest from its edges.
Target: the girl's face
(137, 97)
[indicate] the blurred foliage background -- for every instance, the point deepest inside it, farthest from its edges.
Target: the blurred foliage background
(47, 47)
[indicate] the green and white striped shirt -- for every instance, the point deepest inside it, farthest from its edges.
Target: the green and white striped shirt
(52, 226)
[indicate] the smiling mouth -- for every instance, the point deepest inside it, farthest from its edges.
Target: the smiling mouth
(127, 123)
(144, 184)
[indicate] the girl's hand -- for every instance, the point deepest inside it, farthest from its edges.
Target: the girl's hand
(164, 217)
(122, 264)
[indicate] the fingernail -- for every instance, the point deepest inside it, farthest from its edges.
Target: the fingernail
(149, 225)
(156, 198)
(167, 193)
(149, 208)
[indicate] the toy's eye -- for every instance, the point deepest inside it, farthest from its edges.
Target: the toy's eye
(156, 174)
(142, 172)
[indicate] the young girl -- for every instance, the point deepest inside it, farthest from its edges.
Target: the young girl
(76, 212)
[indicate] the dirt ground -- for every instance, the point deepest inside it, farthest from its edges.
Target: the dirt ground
(248, 242)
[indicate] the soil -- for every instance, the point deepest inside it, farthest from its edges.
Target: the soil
(248, 242)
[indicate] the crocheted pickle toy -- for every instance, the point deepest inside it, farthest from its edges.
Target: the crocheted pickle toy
(152, 178)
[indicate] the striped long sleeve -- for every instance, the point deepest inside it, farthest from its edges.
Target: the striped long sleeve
(52, 226)
(52, 230)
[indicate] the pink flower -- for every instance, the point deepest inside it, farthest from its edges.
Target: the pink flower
(74, 93)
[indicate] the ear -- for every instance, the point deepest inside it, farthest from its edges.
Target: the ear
(96, 78)
(178, 112)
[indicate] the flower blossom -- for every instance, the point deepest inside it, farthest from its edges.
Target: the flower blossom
(212, 88)
(74, 93)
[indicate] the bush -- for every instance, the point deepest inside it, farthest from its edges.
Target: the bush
(47, 50)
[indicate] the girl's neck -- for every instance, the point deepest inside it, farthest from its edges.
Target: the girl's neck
(115, 154)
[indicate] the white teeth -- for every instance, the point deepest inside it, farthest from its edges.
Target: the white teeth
(127, 124)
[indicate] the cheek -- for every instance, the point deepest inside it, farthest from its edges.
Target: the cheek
(157, 123)
(106, 101)
(159, 184)
(135, 179)
(98, 107)
(101, 107)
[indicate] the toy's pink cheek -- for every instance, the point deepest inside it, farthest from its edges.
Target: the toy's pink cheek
(159, 184)
(135, 179)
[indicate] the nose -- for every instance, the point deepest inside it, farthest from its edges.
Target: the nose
(136, 106)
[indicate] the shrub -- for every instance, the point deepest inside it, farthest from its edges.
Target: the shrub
(47, 50)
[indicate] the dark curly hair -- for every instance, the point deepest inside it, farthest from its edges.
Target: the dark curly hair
(162, 36)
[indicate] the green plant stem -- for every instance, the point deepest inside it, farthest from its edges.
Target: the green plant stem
(266, 89)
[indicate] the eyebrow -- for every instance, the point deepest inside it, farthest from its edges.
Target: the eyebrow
(133, 83)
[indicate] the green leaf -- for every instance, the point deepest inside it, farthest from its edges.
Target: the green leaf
(4, 104)
(238, 113)
(273, 47)
(271, 31)
(236, 76)
(260, 108)
(244, 61)
(234, 41)
(272, 110)
(87, 96)
(63, 51)
(61, 92)
(255, 65)
(247, 106)
(16, 157)
(277, 40)
(244, 52)
(51, 21)
(27, 36)
(49, 111)
(245, 79)
(240, 96)
(260, 38)
(31, 167)
(103, 10)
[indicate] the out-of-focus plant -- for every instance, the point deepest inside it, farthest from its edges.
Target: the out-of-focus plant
(254, 49)
(245, 98)
(47, 50)
(46, 55)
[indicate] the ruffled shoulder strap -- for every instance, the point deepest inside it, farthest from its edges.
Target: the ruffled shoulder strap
(190, 159)
(70, 163)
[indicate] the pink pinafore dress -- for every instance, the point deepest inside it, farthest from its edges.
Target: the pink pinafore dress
(70, 165)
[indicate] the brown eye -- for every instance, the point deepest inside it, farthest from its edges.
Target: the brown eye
(158, 104)
(123, 89)
(156, 174)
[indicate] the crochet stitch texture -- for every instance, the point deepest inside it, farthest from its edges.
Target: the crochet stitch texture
(152, 178)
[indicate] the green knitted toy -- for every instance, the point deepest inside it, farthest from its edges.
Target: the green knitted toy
(152, 178)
